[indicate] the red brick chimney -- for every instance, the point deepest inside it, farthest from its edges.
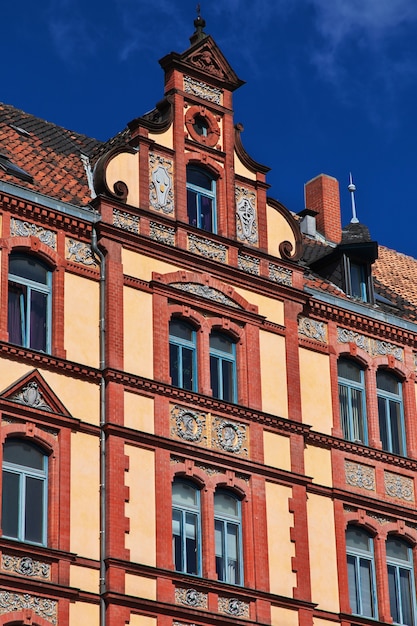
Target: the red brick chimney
(322, 195)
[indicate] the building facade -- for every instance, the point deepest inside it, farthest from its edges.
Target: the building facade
(208, 403)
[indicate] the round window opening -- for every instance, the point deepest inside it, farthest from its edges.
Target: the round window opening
(201, 126)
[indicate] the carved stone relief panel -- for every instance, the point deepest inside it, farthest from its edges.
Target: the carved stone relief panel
(248, 264)
(80, 252)
(246, 217)
(233, 606)
(206, 247)
(126, 221)
(44, 607)
(397, 486)
(161, 183)
(202, 90)
(18, 228)
(191, 597)
(312, 329)
(374, 347)
(361, 476)
(25, 566)
(280, 275)
(162, 233)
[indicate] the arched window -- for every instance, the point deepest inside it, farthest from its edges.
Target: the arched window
(223, 367)
(29, 303)
(228, 537)
(390, 412)
(352, 400)
(201, 199)
(182, 355)
(24, 502)
(401, 581)
(361, 572)
(186, 527)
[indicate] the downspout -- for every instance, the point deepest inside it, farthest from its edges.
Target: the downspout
(102, 356)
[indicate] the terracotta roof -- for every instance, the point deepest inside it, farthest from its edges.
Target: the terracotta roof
(51, 155)
(397, 272)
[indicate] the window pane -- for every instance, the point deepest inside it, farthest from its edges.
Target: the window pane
(358, 433)
(176, 539)
(187, 368)
(383, 427)
(38, 320)
(184, 494)
(219, 541)
(387, 382)
(397, 549)
(344, 411)
(227, 380)
(174, 364)
(192, 207)
(10, 504)
(191, 542)
(406, 590)
(34, 507)
(29, 268)
(199, 178)
(349, 369)
(180, 329)
(221, 342)
(225, 504)
(393, 595)
(358, 281)
(214, 376)
(366, 588)
(206, 212)
(17, 313)
(19, 452)
(353, 584)
(358, 539)
(232, 554)
(395, 426)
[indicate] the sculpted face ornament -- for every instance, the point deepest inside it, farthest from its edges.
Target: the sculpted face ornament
(162, 183)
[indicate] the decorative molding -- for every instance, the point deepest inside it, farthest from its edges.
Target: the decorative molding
(207, 248)
(248, 264)
(246, 219)
(191, 597)
(126, 221)
(80, 252)
(25, 566)
(374, 347)
(381, 519)
(360, 476)
(31, 396)
(230, 436)
(280, 275)
(162, 233)
(233, 606)
(210, 471)
(204, 60)
(202, 90)
(26, 229)
(188, 425)
(312, 329)
(161, 192)
(44, 607)
(397, 486)
(204, 291)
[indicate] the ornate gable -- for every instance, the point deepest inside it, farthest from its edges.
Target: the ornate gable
(34, 392)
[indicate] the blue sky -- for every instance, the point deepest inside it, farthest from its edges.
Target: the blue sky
(332, 83)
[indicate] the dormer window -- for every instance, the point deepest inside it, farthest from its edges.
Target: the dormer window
(358, 283)
(201, 199)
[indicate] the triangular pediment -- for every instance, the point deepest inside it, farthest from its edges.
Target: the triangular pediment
(206, 59)
(34, 392)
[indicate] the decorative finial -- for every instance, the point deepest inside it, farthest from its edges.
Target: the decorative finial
(198, 10)
(352, 190)
(199, 24)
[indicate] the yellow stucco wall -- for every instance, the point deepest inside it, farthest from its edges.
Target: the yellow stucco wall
(280, 548)
(84, 613)
(322, 622)
(140, 266)
(141, 540)
(318, 465)
(85, 483)
(316, 399)
(272, 309)
(84, 578)
(283, 617)
(323, 565)
(139, 412)
(241, 170)
(163, 139)
(141, 620)
(140, 587)
(278, 231)
(138, 335)
(273, 374)
(277, 451)
(125, 167)
(81, 334)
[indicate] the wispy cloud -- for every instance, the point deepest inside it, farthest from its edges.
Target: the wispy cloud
(72, 35)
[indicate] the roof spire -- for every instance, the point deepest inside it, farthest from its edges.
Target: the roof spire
(199, 24)
(352, 190)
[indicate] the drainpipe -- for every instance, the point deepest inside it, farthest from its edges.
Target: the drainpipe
(102, 339)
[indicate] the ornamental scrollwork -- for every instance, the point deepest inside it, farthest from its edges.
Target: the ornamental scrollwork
(80, 252)
(31, 396)
(126, 221)
(161, 193)
(191, 597)
(361, 476)
(399, 487)
(187, 424)
(25, 566)
(312, 329)
(204, 60)
(26, 229)
(162, 233)
(230, 436)
(246, 226)
(207, 248)
(44, 607)
(280, 275)
(233, 606)
(374, 347)
(206, 292)
(248, 264)
(202, 90)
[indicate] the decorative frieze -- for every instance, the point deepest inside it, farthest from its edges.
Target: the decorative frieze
(162, 233)
(233, 606)
(397, 486)
(26, 229)
(25, 566)
(246, 221)
(312, 329)
(31, 396)
(210, 471)
(191, 597)
(360, 476)
(202, 90)
(204, 291)
(374, 347)
(126, 221)
(80, 252)
(280, 275)
(207, 248)
(208, 430)
(43, 607)
(161, 192)
(248, 264)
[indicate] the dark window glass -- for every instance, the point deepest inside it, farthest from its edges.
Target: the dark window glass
(186, 530)
(228, 542)
(200, 126)
(201, 199)
(352, 401)
(361, 572)
(182, 355)
(401, 581)
(223, 367)
(358, 281)
(390, 413)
